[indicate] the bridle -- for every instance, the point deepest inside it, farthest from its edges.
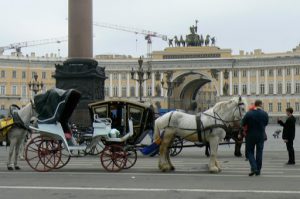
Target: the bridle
(217, 117)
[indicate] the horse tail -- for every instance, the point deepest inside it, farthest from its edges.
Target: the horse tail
(161, 123)
(156, 136)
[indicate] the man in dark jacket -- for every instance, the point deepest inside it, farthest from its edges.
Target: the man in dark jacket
(256, 121)
(288, 134)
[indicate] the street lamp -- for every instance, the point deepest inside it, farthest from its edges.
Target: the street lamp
(35, 85)
(140, 75)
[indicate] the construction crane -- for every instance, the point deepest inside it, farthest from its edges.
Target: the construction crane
(148, 34)
(18, 46)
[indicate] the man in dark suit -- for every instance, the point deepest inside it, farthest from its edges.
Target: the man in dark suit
(288, 134)
(256, 121)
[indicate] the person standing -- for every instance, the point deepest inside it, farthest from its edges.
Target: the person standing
(256, 121)
(288, 134)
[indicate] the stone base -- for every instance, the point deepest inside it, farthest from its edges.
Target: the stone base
(88, 78)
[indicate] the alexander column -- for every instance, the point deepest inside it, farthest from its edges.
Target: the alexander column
(80, 71)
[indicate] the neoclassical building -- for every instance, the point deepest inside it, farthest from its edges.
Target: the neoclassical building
(194, 78)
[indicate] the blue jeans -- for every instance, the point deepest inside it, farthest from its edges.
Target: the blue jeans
(255, 161)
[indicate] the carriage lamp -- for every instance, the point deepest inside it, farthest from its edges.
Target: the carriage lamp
(35, 85)
(140, 75)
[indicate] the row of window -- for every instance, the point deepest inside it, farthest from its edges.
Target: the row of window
(279, 107)
(14, 74)
(270, 88)
(14, 90)
(270, 72)
(115, 91)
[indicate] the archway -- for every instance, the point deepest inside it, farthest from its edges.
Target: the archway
(184, 95)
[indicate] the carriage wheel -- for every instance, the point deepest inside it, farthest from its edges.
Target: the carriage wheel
(131, 157)
(33, 153)
(176, 147)
(95, 150)
(65, 158)
(113, 158)
(50, 153)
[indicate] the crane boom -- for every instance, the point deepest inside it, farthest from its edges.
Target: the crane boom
(19, 45)
(148, 34)
(133, 30)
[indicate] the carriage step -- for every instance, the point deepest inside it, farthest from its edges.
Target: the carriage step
(79, 147)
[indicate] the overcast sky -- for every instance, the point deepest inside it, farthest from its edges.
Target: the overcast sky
(272, 25)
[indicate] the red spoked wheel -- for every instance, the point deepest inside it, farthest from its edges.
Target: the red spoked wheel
(65, 157)
(50, 153)
(32, 154)
(113, 158)
(131, 157)
(43, 153)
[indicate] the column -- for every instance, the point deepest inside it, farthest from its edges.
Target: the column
(257, 83)
(248, 83)
(110, 85)
(119, 85)
(221, 83)
(283, 82)
(136, 86)
(80, 17)
(240, 82)
(145, 87)
(161, 88)
(275, 81)
(128, 85)
(153, 84)
(266, 82)
(293, 81)
(230, 83)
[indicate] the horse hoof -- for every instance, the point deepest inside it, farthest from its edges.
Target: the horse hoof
(10, 168)
(214, 170)
(17, 168)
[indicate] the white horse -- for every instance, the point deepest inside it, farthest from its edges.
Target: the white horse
(17, 133)
(214, 122)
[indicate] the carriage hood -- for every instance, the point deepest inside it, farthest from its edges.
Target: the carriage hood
(56, 105)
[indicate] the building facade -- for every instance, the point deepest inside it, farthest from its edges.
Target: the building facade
(201, 75)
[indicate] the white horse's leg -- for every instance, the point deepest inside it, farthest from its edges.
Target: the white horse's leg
(12, 146)
(22, 146)
(214, 143)
(19, 143)
(164, 163)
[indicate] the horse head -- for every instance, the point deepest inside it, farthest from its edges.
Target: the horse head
(28, 114)
(232, 111)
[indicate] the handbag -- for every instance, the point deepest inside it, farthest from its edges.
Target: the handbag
(265, 136)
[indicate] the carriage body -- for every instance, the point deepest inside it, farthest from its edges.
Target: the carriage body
(120, 111)
(5, 125)
(52, 149)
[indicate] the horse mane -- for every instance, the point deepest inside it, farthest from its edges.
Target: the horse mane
(221, 105)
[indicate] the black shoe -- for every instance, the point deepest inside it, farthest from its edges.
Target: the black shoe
(257, 173)
(290, 163)
(17, 168)
(10, 168)
(252, 173)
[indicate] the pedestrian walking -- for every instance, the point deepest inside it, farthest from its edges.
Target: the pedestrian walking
(288, 135)
(256, 121)
(245, 130)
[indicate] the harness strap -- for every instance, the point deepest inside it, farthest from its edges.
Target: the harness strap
(18, 122)
(199, 127)
(170, 118)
